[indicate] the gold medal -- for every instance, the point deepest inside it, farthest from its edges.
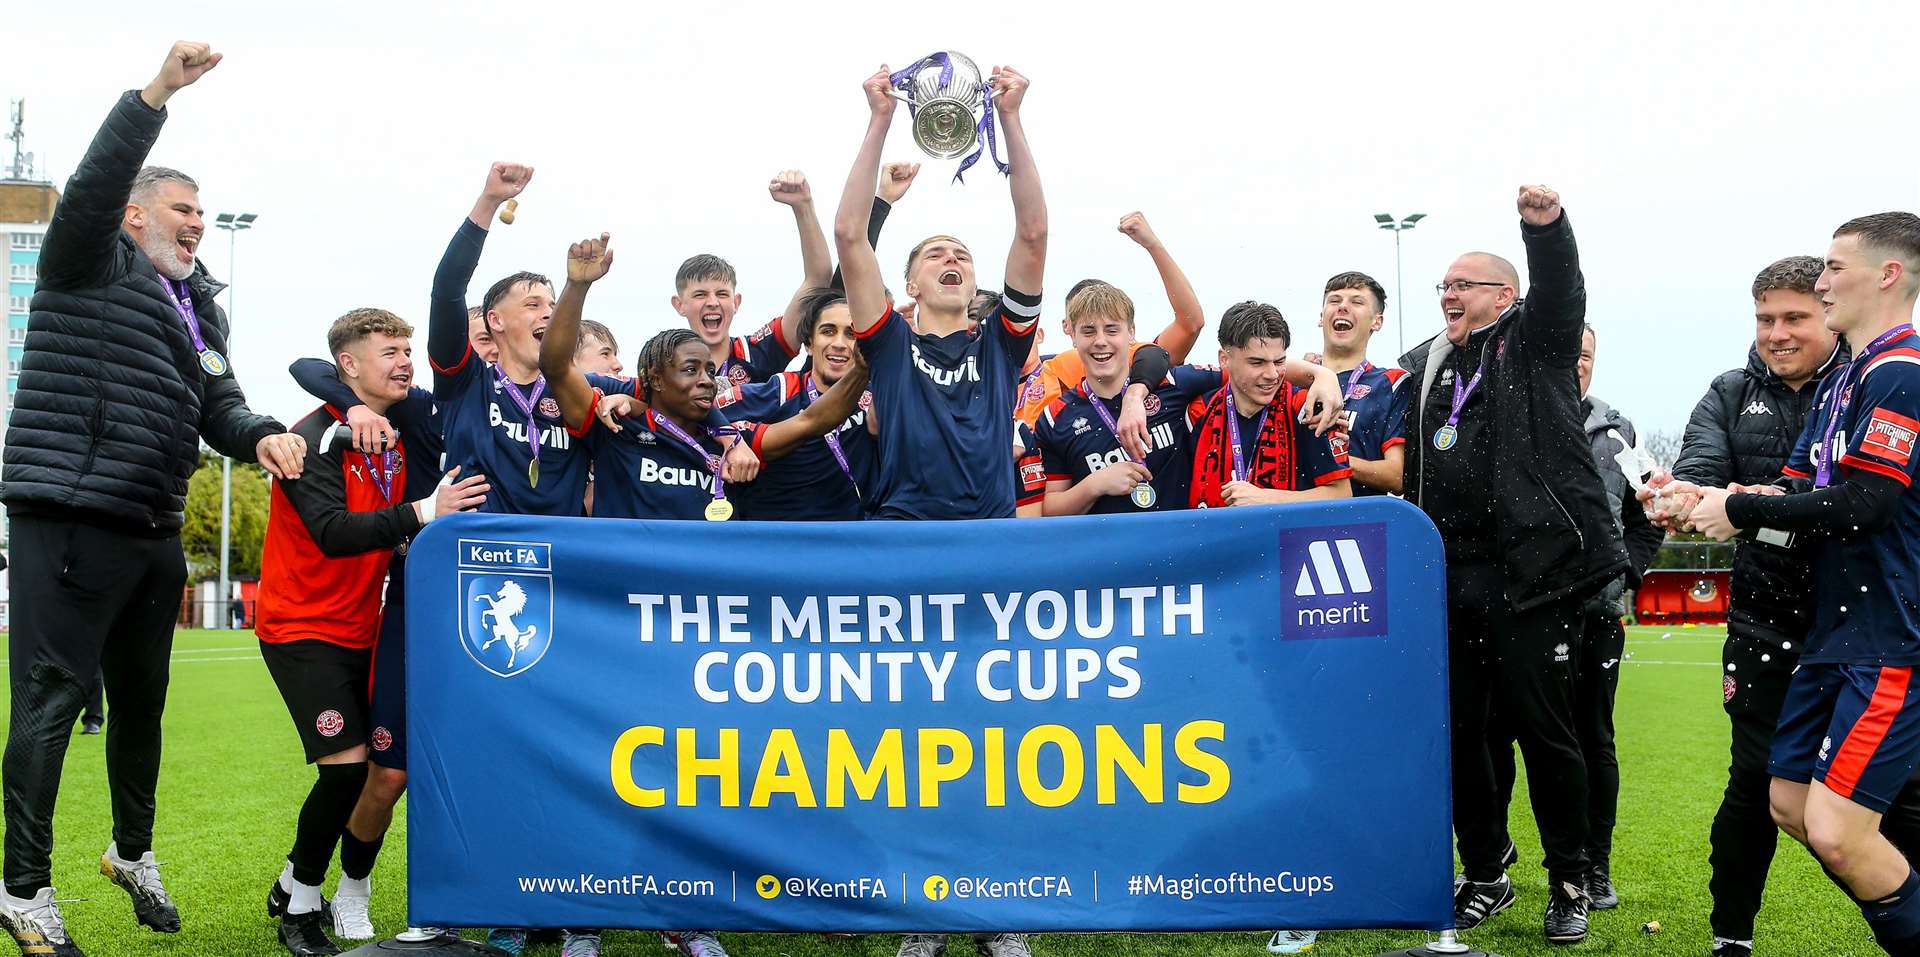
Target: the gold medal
(533, 474)
(719, 510)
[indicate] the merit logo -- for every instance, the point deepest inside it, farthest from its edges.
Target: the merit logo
(1334, 581)
(506, 604)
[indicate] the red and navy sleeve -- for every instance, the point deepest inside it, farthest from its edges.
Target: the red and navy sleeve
(766, 353)
(756, 401)
(1029, 473)
(1194, 381)
(1394, 431)
(1883, 419)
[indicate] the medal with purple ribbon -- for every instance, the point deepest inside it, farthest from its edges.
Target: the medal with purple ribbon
(383, 472)
(1449, 434)
(1828, 453)
(527, 403)
(1240, 472)
(718, 510)
(833, 440)
(212, 362)
(1143, 494)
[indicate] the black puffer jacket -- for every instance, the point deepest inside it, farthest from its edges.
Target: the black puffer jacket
(1742, 431)
(112, 403)
(1553, 525)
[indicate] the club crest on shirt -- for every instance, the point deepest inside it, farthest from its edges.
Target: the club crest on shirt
(1034, 389)
(866, 401)
(549, 407)
(1362, 391)
(330, 723)
(1728, 688)
(1152, 404)
(738, 374)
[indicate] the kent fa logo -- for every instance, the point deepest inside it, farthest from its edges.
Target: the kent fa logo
(506, 604)
(1334, 581)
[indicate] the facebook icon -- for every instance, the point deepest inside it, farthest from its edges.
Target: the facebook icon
(1333, 581)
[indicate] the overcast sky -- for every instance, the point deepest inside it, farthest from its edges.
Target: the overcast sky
(1691, 143)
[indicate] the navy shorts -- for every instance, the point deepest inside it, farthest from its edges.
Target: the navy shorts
(1853, 728)
(387, 714)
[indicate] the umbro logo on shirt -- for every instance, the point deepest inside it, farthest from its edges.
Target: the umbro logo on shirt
(1757, 407)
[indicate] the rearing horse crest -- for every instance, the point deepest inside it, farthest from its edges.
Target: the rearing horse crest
(501, 608)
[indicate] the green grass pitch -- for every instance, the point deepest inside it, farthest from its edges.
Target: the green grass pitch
(232, 779)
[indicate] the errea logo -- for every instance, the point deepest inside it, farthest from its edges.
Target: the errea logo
(1334, 581)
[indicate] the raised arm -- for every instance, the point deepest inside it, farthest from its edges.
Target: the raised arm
(587, 261)
(86, 223)
(790, 188)
(1556, 306)
(1188, 319)
(447, 345)
(866, 291)
(894, 181)
(774, 441)
(1027, 260)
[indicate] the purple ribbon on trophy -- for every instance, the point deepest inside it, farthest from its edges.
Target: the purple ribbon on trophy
(940, 132)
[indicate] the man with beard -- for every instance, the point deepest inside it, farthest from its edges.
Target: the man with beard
(125, 371)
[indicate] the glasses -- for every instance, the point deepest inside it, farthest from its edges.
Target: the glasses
(1461, 285)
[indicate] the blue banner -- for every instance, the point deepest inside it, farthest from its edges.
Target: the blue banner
(1225, 719)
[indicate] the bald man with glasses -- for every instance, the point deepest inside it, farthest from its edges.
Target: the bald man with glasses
(1497, 456)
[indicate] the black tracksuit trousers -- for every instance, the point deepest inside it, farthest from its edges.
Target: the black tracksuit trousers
(87, 600)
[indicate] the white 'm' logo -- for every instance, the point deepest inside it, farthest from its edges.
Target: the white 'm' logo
(1320, 566)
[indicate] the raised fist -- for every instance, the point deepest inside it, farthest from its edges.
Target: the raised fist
(1539, 206)
(506, 180)
(879, 90)
(588, 260)
(895, 178)
(790, 188)
(1009, 88)
(1135, 227)
(186, 62)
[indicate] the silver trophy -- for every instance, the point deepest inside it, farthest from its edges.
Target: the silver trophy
(943, 90)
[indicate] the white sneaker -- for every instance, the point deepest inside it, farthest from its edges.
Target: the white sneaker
(1291, 941)
(35, 924)
(350, 918)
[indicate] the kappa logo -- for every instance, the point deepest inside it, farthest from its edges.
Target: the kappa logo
(1756, 407)
(506, 604)
(330, 723)
(1335, 581)
(1560, 652)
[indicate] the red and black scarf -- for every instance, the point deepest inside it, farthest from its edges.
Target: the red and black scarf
(1274, 456)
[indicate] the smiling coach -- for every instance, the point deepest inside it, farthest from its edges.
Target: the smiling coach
(125, 371)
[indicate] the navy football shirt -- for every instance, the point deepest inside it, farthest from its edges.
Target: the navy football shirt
(487, 432)
(946, 413)
(643, 471)
(756, 358)
(809, 484)
(1867, 585)
(1375, 417)
(1075, 442)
